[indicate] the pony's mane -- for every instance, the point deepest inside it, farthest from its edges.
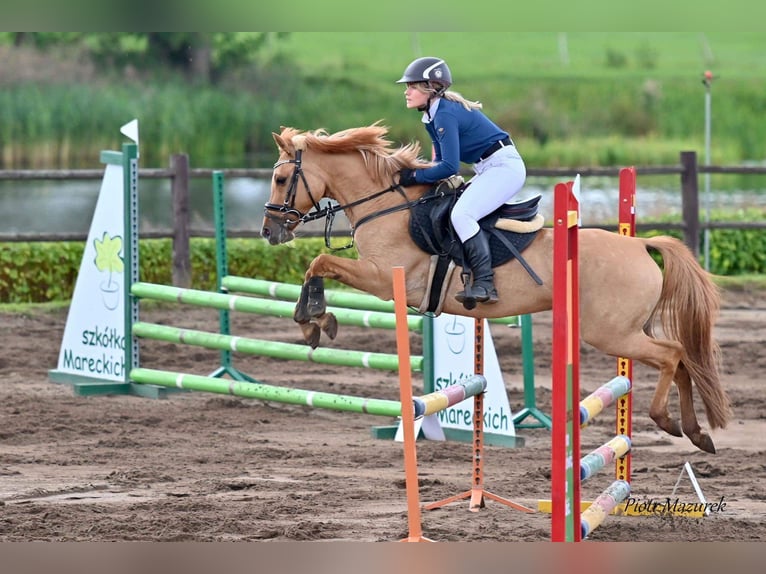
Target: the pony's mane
(381, 158)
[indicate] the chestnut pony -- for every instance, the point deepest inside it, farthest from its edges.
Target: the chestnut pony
(622, 289)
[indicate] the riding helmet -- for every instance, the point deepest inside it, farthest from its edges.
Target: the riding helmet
(427, 69)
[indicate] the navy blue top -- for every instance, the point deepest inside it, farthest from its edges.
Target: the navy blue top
(458, 135)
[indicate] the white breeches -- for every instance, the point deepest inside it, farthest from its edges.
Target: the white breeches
(498, 178)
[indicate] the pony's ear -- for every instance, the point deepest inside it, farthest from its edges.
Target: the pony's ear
(281, 144)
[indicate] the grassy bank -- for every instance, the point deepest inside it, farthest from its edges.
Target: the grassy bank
(574, 99)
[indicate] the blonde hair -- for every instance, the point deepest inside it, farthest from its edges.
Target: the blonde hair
(449, 95)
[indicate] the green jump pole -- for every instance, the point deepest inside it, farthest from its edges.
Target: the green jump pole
(426, 404)
(265, 306)
(267, 392)
(273, 349)
(530, 406)
(290, 292)
(222, 269)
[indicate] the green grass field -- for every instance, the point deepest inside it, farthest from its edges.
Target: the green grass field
(476, 56)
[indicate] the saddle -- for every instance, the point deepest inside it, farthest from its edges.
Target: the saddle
(510, 230)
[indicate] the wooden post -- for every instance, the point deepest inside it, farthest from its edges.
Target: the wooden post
(690, 200)
(179, 182)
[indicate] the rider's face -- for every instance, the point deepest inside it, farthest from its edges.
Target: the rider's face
(415, 98)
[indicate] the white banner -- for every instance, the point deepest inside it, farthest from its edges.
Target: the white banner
(93, 345)
(453, 359)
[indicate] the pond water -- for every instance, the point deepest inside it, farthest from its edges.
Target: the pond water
(67, 206)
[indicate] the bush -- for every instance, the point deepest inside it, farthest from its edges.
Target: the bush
(37, 272)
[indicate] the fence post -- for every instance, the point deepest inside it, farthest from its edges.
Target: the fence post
(179, 182)
(690, 200)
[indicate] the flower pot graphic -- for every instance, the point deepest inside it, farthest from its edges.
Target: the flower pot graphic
(109, 261)
(455, 332)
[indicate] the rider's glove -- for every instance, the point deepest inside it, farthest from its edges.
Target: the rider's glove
(407, 177)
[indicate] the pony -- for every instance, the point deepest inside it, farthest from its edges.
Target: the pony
(623, 290)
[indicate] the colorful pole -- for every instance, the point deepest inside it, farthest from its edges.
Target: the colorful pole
(452, 395)
(602, 397)
(624, 407)
(605, 502)
(607, 453)
(565, 483)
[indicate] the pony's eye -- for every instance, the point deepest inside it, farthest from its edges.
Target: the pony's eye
(279, 180)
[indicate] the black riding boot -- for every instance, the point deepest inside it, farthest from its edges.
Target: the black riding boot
(478, 258)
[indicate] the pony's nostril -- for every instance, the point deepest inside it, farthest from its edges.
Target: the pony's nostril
(265, 233)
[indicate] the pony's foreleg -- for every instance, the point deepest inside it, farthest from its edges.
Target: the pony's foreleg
(311, 308)
(689, 422)
(310, 313)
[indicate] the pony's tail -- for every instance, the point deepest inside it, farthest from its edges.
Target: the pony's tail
(688, 309)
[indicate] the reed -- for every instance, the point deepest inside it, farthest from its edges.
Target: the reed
(620, 99)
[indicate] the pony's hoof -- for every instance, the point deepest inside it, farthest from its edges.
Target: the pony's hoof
(667, 424)
(311, 334)
(330, 325)
(704, 443)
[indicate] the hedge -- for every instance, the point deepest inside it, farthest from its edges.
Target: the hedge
(35, 272)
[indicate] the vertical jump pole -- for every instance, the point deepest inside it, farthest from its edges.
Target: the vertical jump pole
(477, 494)
(408, 415)
(530, 406)
(222, 270)
(565, 481)
(130, 215)
(624, 406)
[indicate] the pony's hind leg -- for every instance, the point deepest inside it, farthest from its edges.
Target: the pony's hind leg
(660, 354)
(689, 422)
(666, 356)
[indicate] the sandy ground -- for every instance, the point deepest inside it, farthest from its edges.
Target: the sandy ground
(203, 467)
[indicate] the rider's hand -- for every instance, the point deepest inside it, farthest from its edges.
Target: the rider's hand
(407, 177)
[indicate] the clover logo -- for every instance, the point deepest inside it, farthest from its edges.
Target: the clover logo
(108, 260)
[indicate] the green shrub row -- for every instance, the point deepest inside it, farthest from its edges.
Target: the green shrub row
(36, 272)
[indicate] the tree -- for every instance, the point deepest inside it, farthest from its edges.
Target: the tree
(200, 56)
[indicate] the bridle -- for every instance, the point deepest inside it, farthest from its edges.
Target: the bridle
(287, 209)
(288, 206)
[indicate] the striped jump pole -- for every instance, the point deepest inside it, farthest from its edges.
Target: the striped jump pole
(274, 349)
(423, 405)
(624, 404)
(271, 307)
(335, 297)
(290, 292)
(615, 448)
(602, 397)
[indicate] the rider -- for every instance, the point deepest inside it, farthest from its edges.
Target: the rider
(460, 131)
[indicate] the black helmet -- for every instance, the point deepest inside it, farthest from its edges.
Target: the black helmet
(427, 69)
